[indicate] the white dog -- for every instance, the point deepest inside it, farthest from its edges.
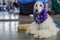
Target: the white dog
(43, 29)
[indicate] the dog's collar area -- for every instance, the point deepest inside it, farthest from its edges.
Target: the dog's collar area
(40, 17)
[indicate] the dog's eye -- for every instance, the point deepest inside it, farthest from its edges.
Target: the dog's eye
(36, 5)
(40, 5)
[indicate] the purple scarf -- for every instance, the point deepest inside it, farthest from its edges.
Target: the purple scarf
(40, 17)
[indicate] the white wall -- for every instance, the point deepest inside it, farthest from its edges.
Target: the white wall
(7, 0)
(13, 0)
(1, 1)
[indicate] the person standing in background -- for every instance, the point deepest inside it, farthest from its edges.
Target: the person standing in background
(1, 7)
(9, 6)
(5, 6)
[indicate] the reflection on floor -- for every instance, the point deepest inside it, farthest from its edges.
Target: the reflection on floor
(7, 15)
(8, 27)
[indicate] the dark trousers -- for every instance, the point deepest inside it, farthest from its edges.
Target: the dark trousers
(26, 8)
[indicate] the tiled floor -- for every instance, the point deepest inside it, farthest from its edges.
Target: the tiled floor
(8, 29)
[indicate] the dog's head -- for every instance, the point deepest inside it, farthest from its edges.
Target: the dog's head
(40, 13)
(38, 7)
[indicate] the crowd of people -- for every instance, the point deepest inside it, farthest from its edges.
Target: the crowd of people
(7, 6)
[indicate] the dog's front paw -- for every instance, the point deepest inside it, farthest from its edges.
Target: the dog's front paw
(42, 34)
(23, 27)
(36, 35)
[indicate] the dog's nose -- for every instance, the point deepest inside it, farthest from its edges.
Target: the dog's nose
(36, 10)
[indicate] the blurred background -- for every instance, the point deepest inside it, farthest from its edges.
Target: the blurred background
(16, 12)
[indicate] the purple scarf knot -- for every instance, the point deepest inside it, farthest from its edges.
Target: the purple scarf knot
(40, 17)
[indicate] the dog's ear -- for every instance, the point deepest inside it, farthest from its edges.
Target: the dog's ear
(44, 4)
(34, 8)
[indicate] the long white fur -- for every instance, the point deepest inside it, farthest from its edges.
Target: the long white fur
(43, 30)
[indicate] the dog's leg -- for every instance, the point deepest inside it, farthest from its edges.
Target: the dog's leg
(32, 29)
(43, 34)
(46, 33)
